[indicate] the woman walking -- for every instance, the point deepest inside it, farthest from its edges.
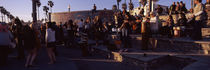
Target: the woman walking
(30, 44)
(50, 40)
(29, 39)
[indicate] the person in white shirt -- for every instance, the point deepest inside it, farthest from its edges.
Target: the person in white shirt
(80, 25)
(198, 15)
(50, 40)
(154, 24)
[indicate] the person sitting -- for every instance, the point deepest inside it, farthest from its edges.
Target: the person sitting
(182, 22)
(170, 24)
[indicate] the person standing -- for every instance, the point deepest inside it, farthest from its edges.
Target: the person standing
(145, 31)
(125, 32)
(50, 40)
(70, 33)
(177, 8)
(170, 22)
(18, 33)
(29, 45)
(154, 23)
(183, 9)
(80, 25)
(198, 12)
(173, 8)
(5, 39)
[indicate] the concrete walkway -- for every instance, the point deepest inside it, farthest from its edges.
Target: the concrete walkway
(41, 63)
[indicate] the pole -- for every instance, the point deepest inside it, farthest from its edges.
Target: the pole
(2, 17)
(118, 5)
(192, 3)
(34, 14)
(50, 17)
(38, 13)
(149, 5)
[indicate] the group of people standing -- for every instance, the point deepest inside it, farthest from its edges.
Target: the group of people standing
(177, 7)
(28, 40)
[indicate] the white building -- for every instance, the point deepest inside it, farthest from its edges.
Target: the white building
(146, 9)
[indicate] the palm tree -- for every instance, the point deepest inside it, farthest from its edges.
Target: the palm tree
(7, 14)
(131, 5)
(46, 9)
(118, 4)
(51, 4)
(3, 11)
(38, 5)
(124, 6)
(10, 16)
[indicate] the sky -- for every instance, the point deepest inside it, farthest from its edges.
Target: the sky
(23, 8)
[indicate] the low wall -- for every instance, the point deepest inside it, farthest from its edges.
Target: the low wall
(180, 45)
(63, 17)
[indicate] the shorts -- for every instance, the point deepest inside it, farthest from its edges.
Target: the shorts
(51, 45)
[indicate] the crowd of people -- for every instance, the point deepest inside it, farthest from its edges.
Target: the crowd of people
(178, 7)
(32, 37)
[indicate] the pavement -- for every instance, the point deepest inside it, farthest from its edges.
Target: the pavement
(41, 63)
(72, 59)
(67, 59)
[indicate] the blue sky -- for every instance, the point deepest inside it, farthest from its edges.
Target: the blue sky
(23, 8)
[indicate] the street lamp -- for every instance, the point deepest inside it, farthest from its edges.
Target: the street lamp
(69, 7)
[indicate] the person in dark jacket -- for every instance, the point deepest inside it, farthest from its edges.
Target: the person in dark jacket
(29, 45)
(18, 33)
(145, 31)
(183, 8)
(159, 10)
(173, 8)
(183, 23)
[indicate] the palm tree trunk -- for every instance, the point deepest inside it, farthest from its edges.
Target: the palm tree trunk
(38, 13)
(4, 18)
(34, 14)
(50, 14)
(1, 17)
(150, 4)
(118, 6)
(192, 4)
(7, 19)
(51, 9)
(46, 17)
